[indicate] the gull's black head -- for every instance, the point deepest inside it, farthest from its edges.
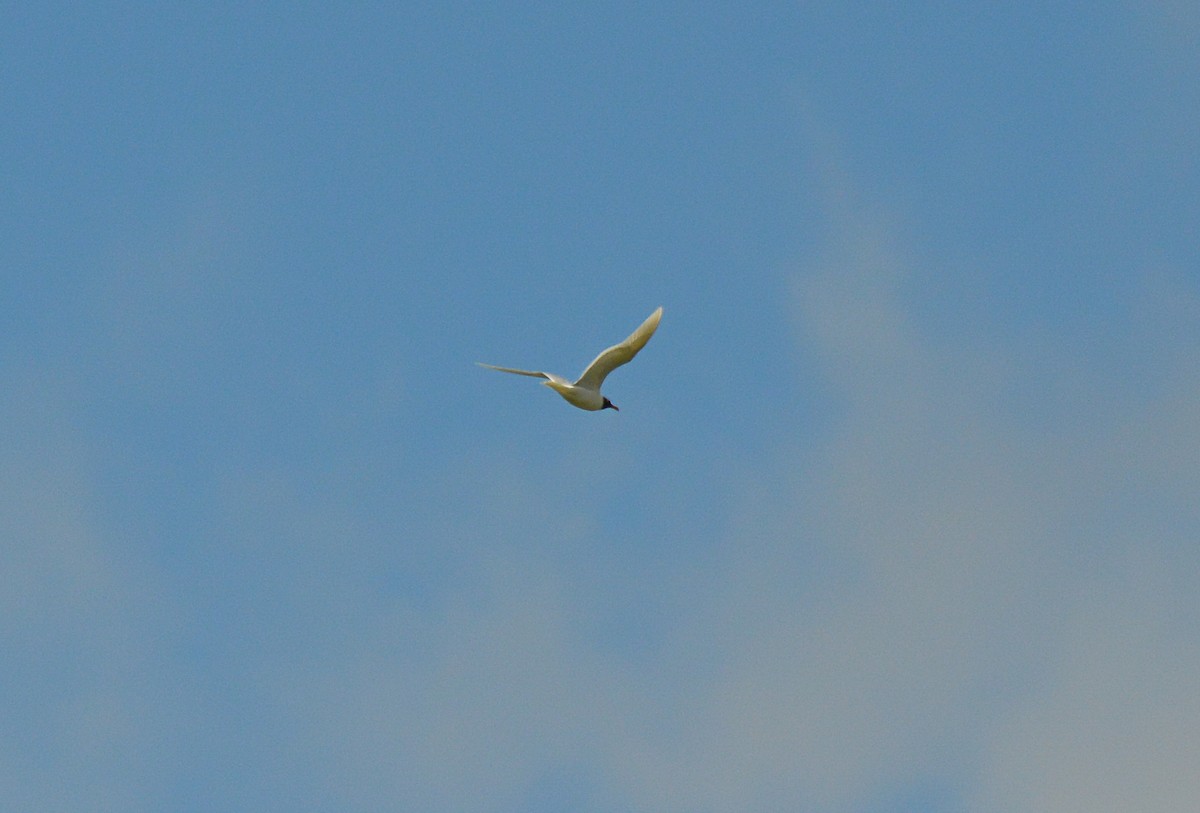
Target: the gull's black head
(610, 405)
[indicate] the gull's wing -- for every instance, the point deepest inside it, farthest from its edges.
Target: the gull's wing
(511, 370)
(618, 354)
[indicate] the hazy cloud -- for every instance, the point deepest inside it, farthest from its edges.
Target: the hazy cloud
(896, 607)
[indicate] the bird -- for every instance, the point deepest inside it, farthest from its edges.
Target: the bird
(585, 391)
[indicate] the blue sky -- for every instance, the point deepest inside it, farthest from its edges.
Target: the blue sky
(899, 510)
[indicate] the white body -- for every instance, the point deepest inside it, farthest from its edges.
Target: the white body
(585, 392)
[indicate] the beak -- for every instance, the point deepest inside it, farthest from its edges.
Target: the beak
(614, 406)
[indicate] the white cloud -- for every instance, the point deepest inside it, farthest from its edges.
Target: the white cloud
(1115, 725)
(464, 708)
(86, 711)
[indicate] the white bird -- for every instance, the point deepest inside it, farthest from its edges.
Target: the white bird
(585, 392)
